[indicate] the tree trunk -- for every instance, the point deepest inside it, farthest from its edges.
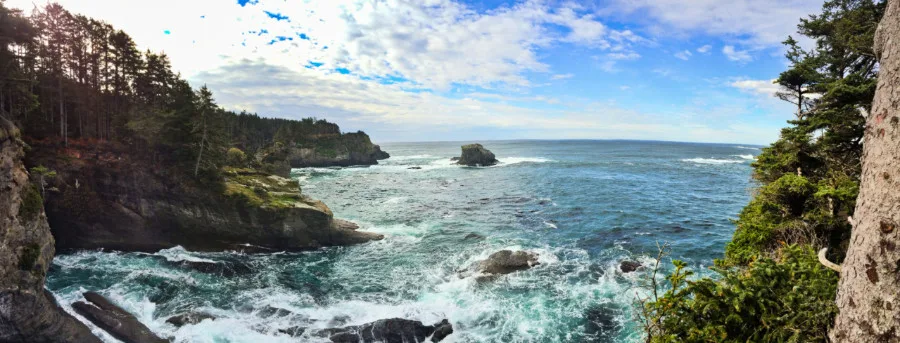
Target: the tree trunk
(869, 290)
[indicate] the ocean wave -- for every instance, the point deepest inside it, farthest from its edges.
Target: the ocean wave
(517, 160)
(746, 157)
(410, 157)
(711, 161)
(179, 254)
(745, 147)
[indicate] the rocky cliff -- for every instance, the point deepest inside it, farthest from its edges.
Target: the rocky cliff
(321, 151)
(28, 313)
(105, 196)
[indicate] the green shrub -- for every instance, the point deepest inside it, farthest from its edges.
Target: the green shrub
(787, 299)
(235, 157)
(32, 204)
(29, 257)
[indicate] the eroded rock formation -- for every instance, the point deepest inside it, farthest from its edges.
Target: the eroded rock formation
(28, 313)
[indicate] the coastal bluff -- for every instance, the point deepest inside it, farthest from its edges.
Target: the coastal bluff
(105, 196)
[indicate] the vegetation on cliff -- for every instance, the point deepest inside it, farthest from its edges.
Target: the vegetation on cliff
(770, 285)
(134, 158)
(66, 76)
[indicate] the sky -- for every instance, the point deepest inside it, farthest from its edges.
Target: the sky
(457, 70)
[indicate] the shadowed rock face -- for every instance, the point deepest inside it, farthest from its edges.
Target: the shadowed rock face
(28, 313)
(393, 330)
(107, 197)
(476, 155)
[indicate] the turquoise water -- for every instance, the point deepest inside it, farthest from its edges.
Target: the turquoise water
(583, 206)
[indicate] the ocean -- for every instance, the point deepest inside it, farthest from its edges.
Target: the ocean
(582, 206)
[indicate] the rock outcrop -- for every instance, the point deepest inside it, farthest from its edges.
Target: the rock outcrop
(476, 155)
(394, 330)
(115, 320)
(341, 150)
(107, 197)
(28, 313)
(506, 261)
(629, 266)
(189, 318)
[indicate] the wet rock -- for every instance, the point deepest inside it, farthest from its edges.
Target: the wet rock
(293, 331)
(415, 168)
(189, 318)
(506, 261)
(442, 330)
(394, 330)
(473, 236)
(629, 266)
(455, 158)
(271, 311)
(115, 320)
(476, 155)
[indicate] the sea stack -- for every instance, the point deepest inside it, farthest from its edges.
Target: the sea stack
(476, 155)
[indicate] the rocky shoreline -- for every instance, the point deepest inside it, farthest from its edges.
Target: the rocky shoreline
(92, 195)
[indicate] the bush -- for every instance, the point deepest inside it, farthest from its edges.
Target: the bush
(32, 204)
(235, 157)
(775, 209)
(787, 299)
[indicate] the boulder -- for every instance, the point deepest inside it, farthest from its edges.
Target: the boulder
(190, 318)
(115, 320)
(28, 313)
(394, 330)
(506, 261)
(629, 266)
(476, 155)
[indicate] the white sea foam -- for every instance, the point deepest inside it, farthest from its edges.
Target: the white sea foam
(178, 254)
(746, 157)
(710, 161)
(409, 157)
(551, 225)
(746, 147)
(516, 160)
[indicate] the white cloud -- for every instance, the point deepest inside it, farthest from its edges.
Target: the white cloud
(288, 93)
(624, 55)
(758, 23)
(761, 87)
(434, 44)
(704, 49)
(561, 76)
(684, 55)
(736, 55)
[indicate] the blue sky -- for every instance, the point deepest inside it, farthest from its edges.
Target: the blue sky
(483, 69)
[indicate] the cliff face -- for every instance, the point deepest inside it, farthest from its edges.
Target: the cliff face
(28, 313)
(105, 198)
(322, 151)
